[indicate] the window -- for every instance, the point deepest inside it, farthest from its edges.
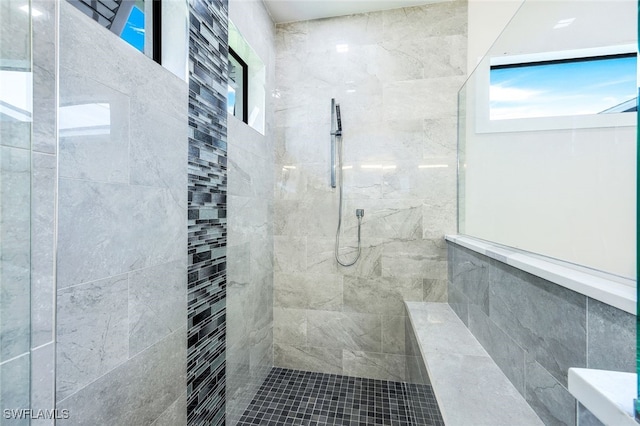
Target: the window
(563, 87)
(133, 31)
(126, 19)
(246, 82)
(237, 93)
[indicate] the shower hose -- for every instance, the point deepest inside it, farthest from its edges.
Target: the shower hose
(359, 212)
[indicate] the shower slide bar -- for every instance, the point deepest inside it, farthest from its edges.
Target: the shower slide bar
(336, 163)
(336, 131)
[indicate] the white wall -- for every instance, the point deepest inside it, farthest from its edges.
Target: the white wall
(487, 19)
(175, 37)
(569, 193)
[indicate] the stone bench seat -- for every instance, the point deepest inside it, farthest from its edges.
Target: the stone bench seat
(469, 387)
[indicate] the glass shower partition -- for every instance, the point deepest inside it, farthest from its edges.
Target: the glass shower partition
(636, 402)
(548, 145)
(15, 208)
(548, 131)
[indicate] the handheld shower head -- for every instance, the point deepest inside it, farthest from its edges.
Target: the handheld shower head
(338, 118)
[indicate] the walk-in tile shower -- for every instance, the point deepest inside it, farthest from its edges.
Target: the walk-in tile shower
(166, 261)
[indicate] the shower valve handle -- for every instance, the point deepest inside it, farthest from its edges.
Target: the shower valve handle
(359, 212)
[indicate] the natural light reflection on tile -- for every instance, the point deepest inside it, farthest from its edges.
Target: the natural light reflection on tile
(433, 166)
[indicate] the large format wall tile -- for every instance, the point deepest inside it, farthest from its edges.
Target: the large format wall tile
(94, 130)
(535, 330)
(429, 179)
(309, 291)
(393, 335)
(471, 277)
(395, 75)
(158, 150)
(548, 320)
(43, 198)
(413, 258)
(238, 392)
(447, 59)
(551, 401)
(389, 220)
(434, 290)
(252, 253)
(94, 231)
(175, 415)
(430, 98)
(609, 327)
(146, 386)
(42, 379)
(380, 295)
(374, 365)
(415, 370)
(15, 179)
(250, 174)
(344, 330)
(503, 350)
(586, 417)
(369, 265)
(321, 256)
(308, 358)
(93, 332)
(157, 233)
(122, 229)
(290, 254)
(445, 19)
(157, 304)
(290, 326)
(44, 77)
(13, 392)
(43, 206)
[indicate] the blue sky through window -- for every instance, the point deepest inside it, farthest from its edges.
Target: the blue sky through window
(133, 31)
(231, 99)
(588, 86)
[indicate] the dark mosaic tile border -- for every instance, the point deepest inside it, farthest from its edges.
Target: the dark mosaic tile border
(207, 214)
(292, 397)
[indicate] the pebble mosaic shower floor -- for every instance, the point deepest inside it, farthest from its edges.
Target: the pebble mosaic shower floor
(291, 397)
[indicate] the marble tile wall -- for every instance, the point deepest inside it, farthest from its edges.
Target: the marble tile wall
(15, 225)
(29, 158)
(121, 331)
(395, 74)
(250, 228)
(415, 370)
(536, 330)
(15, 171)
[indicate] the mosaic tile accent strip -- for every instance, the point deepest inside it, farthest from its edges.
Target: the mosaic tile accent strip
(292, 397)
(207, 216)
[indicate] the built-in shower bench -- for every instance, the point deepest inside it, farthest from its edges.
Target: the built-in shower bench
(469, 387)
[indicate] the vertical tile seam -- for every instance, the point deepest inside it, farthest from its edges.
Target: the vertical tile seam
(586, 330)
(56, 96)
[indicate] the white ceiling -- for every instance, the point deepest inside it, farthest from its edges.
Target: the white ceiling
(302, 10)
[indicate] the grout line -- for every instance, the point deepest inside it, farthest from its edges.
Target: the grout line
(14, 358)
(56, 215)
(586, 330)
